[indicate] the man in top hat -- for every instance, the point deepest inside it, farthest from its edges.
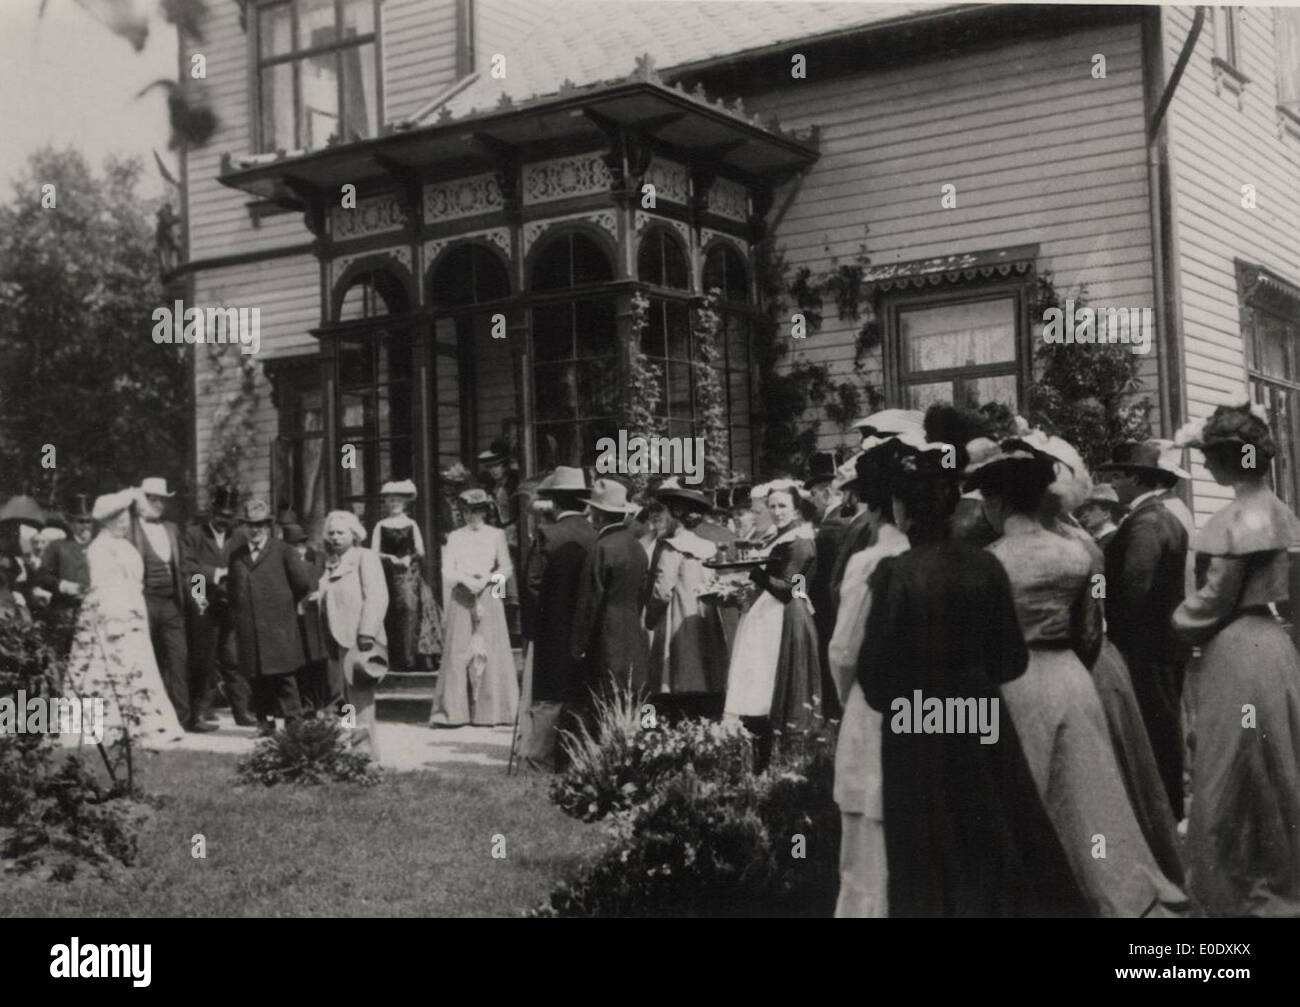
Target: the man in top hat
(210, 544)
(267, 580)
(21, 520)
(1101, 513)
(65, 574)
(552, 581)
(829, 531)
(1145, 564)
(607, 635)
(166, 588)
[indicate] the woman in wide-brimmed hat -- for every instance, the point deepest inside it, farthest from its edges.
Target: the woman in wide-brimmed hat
(688, 649)
(1243, 840)
(966, 833)
(112, 655)
(1055, 705)
(477, 683)
(414, 620)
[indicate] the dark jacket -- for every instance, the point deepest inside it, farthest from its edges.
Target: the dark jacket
(607, 632)
(554, 578)
(1145, 582)
(205, 557)
(854, 537)
(63, 560)
(967, 832)
(264, 598)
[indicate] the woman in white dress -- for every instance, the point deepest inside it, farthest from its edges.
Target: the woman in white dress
(112, 656)
(477, 683)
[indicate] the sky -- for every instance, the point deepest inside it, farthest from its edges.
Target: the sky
(66, 79)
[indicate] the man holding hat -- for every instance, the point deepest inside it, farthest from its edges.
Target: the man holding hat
(166, 587)
(1145, 564)
(552, 580)
(607, 635)
(65, 574)
(210, 545)
(267, 580)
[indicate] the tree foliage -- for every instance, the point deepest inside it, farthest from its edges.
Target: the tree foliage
(78, 366)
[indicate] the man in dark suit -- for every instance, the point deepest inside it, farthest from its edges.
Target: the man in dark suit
(607, 634)
(166, 588)
(551, 588)
(830, 527)
(1144, 584)
(209, 545)
(65, 573)
(267, 580)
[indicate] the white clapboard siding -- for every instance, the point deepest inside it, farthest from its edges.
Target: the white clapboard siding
(287, 292)
(1216, 147)
(1039, 152)
(419, 46)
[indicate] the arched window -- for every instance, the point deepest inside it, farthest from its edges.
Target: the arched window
(570, 260)
(372, 294)
(467, 275)
(374, 389)
(575, 351)
(725, 272)
(661, 260)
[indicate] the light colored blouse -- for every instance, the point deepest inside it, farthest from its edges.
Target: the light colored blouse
(472, 554)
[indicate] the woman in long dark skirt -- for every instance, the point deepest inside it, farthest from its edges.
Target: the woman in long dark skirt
(965, 831)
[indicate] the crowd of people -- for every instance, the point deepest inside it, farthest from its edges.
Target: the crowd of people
(1140, 678)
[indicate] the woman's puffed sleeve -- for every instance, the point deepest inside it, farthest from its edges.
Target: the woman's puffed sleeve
(1200, 615)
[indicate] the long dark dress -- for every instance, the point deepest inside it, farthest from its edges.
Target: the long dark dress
(413, 622)
(965, 831)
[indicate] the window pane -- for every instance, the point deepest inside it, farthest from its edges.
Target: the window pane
(355, 366)
(557, 392)
(320, 99)
(964, 392)
(598, 386)
(649, 263)
(679, 332)
(675, 271)
(316, 23)
(1271, 333)
(596, 329)
(653, 341)
(360, 104)
(395, 364)
(553, 333)
(273, 33)
(551, 269)
(590, 263)
(277, 108)
(394, 460)
(959, 335)
(679, 389)
(358, 17)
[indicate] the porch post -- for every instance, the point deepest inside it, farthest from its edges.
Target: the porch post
(328, 349)
(426, 479)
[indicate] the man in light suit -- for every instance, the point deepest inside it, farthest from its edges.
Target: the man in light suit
(353, 603)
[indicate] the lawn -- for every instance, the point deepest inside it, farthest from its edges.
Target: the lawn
(418, 844)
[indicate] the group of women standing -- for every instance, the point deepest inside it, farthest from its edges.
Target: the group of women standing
(1064, 814)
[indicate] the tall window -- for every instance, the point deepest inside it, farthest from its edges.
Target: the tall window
(374, 391)
(724, 272)
(1227, 43)
(575, 350)
(1271, 318)
(667, 339)
(961, 348)
(298, 474)
(317, 76)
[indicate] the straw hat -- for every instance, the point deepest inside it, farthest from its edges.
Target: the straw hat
(403, 488)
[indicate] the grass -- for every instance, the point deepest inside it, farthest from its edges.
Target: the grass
(418, 844)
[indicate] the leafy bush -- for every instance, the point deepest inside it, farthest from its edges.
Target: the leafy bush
(718, 844)
(55, 814)
(308, 752)
(614, 763)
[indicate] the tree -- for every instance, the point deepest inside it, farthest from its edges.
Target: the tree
(79, 370)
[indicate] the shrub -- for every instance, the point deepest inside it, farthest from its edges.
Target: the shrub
(718, 845)
(307, 752)
(614, 763)
(56, 816)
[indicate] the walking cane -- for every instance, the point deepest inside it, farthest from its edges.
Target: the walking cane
(514, 735)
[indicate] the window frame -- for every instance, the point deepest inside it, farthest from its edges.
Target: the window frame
(1282, 306)
(258, 64)
(1227, 62)
(891, 303)
(292, 378)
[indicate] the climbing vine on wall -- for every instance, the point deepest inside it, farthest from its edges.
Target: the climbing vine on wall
(710, 389)
(640, 412)
(233, 380)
